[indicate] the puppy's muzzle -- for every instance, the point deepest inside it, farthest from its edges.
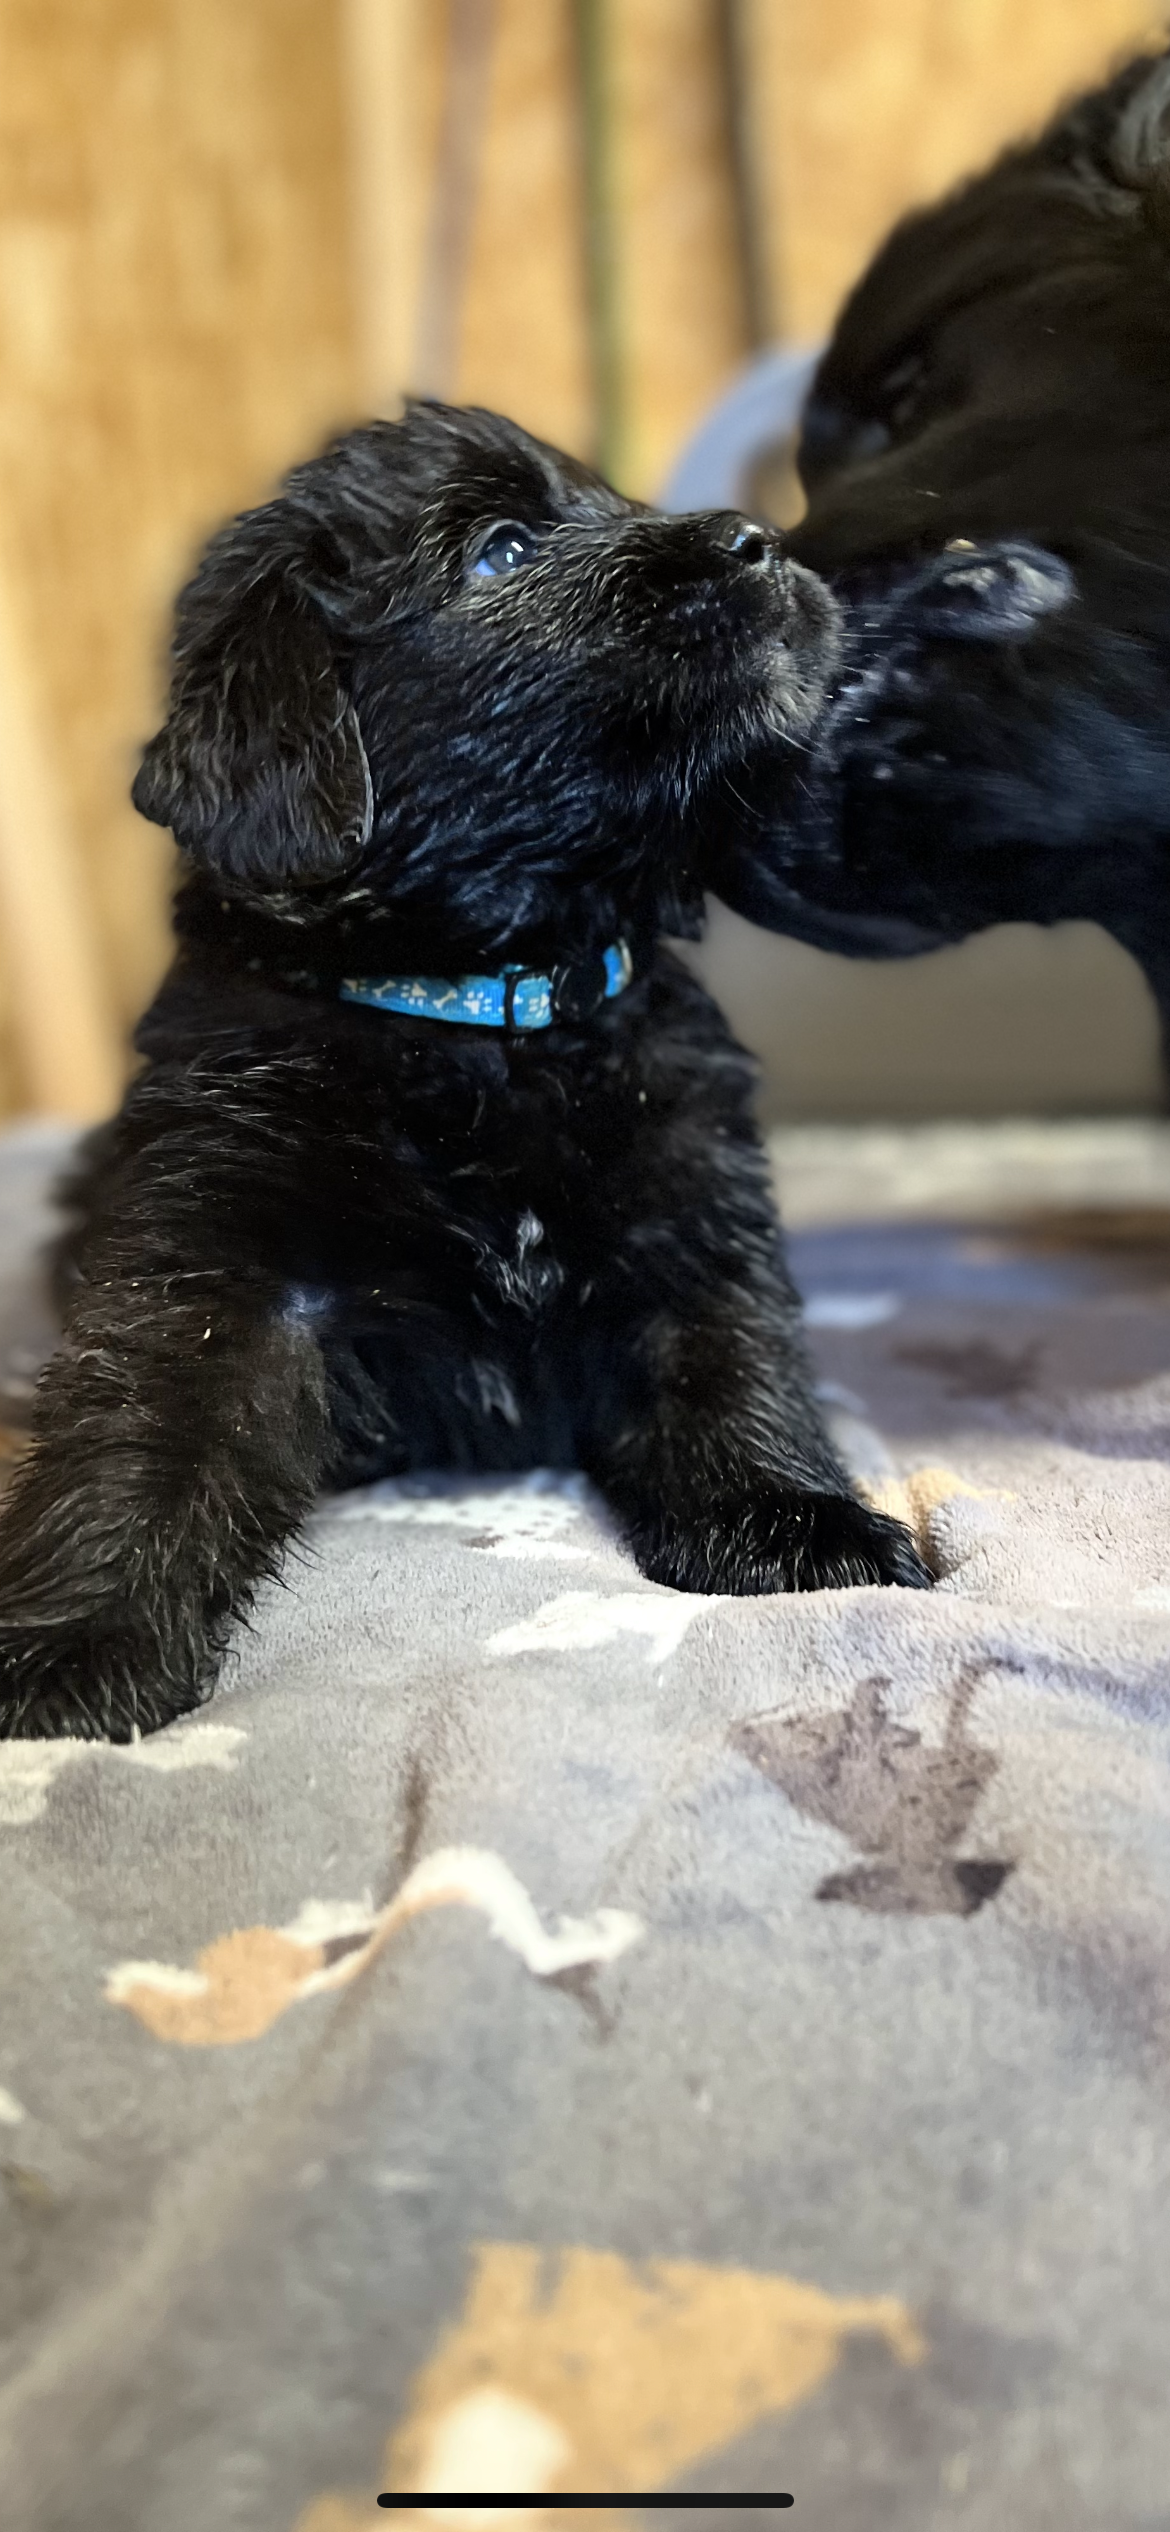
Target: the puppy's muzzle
(804, 614)
(755, 548)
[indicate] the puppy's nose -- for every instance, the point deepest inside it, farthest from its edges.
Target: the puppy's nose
(749, 542)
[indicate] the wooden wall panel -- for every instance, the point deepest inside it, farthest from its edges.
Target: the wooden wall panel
(680, 303)
(522, 333)
(392, 57)
(868, 106)
(175, 325)
(524, 347)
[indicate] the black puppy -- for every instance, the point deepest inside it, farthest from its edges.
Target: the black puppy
(437, 1157)
(987, 456)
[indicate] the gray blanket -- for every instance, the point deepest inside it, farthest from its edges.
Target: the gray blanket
(537, 2031)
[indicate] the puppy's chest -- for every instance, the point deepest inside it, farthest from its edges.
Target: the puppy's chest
(525, 1190)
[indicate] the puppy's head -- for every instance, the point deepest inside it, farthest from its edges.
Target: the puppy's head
(987, 456)
(450, 676)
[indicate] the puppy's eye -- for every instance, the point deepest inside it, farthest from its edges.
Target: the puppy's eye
(506, 547)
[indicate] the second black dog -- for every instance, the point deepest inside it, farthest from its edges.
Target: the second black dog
(987, 456)
(437, 1157)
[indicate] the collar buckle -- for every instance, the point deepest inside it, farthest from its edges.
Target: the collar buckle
(578, 989)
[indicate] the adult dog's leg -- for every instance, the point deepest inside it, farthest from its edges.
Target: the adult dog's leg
(722, 1472)
(177, 1440)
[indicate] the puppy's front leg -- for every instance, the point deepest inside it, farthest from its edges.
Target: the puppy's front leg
(178, 1437)
(722, 1472)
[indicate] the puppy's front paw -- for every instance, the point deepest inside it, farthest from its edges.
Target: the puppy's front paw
(63, 1683)
(780, 1540)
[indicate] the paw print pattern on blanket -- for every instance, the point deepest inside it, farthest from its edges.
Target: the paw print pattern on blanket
(904, 1803)
(28, 1769)
(242, 1983)
(580, 1620)
(976, 1368)
(579, 2370)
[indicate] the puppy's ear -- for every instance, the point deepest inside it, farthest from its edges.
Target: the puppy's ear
(259, 769)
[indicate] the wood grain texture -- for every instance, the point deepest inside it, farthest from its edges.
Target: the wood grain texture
(62, 1027)
(683, 309)
(525, 347)
(868, 106)
(175, 325)
(388, 136)
(680, 315)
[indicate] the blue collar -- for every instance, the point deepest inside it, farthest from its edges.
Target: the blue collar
(520, 998)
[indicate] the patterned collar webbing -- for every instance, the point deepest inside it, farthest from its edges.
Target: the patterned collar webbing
(519, 998)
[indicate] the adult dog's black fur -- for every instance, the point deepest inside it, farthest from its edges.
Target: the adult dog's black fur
(998, 744)
(445, 705)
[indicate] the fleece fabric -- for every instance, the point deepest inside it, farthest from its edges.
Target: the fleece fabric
(537, 2032)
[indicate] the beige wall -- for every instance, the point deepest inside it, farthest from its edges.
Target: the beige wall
(1017, 1021)
(213, 222)
(869, 105)
(175, 322)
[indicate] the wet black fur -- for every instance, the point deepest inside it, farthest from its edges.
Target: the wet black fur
(322, 1243)
(998, 744)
